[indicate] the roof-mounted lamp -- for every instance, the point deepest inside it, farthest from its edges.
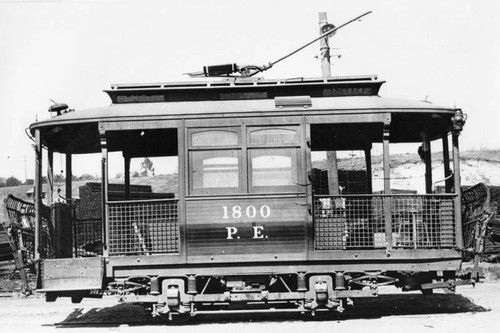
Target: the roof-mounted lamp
(59, 108)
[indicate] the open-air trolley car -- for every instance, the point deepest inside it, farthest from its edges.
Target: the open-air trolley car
(252, 223)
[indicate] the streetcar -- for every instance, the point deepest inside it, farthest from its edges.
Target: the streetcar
(253, 222)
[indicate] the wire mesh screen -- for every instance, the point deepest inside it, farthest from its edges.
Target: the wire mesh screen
(87, 237)
(358, 222)
(330, 225)
(347, 222)
(143, 227)
(423, 221)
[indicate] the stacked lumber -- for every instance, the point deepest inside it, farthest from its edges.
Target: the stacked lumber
(6, 250)
(7, 265)
(89, 206)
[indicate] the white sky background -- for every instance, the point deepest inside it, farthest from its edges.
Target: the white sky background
(69, 51)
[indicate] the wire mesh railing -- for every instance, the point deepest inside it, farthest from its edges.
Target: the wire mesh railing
(143, 227)
(359, 221)
(87, 240)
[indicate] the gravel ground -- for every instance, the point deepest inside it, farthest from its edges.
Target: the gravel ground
(475, 309)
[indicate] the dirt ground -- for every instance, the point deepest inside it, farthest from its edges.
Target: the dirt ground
(475, 309)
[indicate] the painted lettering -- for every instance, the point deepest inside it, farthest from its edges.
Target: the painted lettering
(231, 231)
(258, 231)
(251, 212)
(237, 212)
(225, 216)
(265, 211)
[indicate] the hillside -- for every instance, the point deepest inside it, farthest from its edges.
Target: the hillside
(407, 170)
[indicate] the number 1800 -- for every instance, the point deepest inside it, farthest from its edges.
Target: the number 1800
(237, 212)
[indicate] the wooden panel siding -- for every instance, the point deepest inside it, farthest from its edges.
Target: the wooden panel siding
(266, 225)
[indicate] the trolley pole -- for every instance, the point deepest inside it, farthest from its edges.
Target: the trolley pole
(331, 156)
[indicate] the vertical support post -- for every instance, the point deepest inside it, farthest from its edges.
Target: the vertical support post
(456, 185)
(331, 156)
(306, 146)
(428, 166)
(50, 177)
(387, 160)
(387, 188)
(244, 181)
(333, 172)
(127, 176)
(368, 162)
(104, 189)
(38, 192)
(69, 177)
(183, 189)
(49, 199)
(446, 161)
(458, 122)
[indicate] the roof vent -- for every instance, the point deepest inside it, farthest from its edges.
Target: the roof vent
(293, 101)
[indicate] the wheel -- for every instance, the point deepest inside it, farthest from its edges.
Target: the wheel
(76, 298)
(50, 297)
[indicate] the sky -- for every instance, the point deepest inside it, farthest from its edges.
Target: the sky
(446, 52)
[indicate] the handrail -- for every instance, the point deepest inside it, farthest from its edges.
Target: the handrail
(385, 195)
(122, 202)
(441, 181)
